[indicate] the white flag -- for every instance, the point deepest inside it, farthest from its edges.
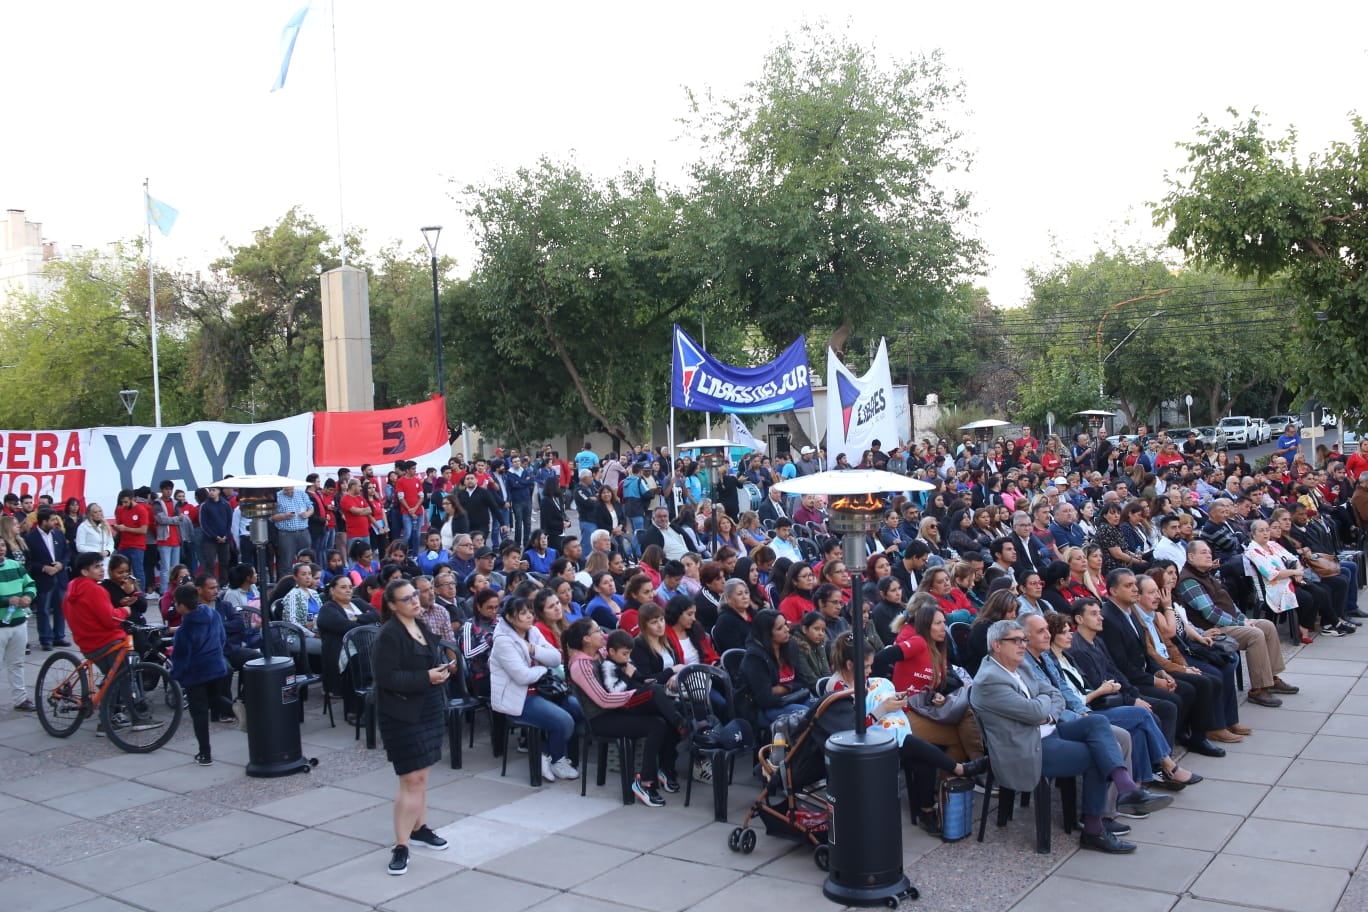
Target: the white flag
(859, 410)
(742, 435)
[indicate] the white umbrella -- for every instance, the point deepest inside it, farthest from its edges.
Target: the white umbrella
(707, 443)
(842, 482)
(248, 482)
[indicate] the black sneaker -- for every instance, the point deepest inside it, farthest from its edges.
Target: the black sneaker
(1347, 627)
(204, 760)
(399, 860)
(668, 782)
(424, 836)
(647, 794)
(1328, 631)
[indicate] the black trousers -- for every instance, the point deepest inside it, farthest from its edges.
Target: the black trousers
(660, 749)
(1173, 716)
(923, 759)
(202, 697)
(1336, 589)
(1207, 706)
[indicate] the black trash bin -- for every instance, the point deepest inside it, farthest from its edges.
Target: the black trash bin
(866, 826)
(272, 702)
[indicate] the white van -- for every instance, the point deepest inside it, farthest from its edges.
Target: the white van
(1240, 431)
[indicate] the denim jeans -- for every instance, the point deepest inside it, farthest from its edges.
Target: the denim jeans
(169, 556)
(522, 522)
(1148, 746)
(558, 722)
(135, 565)
(413, 527)
(47, 607)
(1084, 745)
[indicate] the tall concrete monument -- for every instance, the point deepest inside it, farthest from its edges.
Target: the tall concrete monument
(347, 340)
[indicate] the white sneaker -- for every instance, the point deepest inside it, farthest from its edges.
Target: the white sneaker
(548, 769)
(564, 769)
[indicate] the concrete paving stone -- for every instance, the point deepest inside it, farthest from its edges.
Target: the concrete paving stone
(100, 904)
(18, 726)
(641, 828)
(1349, 778)
(799, 867)
(660, 884)
(569, 902)
(37, 741)
(30, 820)
(1322, 693)
(110, 798)
(1221, 797)
(1269, 743)
(1286, 718)
(1185, 829)
(1355, 896)
(380, 782)
(1301, 843)
(9, 867)
(54, 783)
(247, 792)
(293, 856)
(9, 801)
(296, 899)
(475, 796)
(1317, 665)
(1235, 766)
(1188, 904)
(942, 874)
(168, 814)
(759, 892)
(708, 845)
(475, 840)
(1271, 884)
(1354, 705)
(1336, 749)
(69, 843)
(113, 870)
(190, 777)
(477, 890)
(1064, 894)
(38, 892)
(1314, 806)
(318, 805)
(1152, 867)
(562, 862)
(365, 879)
(227, 834)
(133, 766)
(1345, 726)
(376, 824)
(552, 810)
(206, 886)
(1360, 689)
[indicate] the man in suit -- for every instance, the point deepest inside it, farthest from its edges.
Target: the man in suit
(1124, 641)
(47, 555)
(773, 508)
(1030, 557)
(1020, 715)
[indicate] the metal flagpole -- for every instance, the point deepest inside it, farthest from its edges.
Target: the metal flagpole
(337, 140)
(670, 467)
(707, 416)
(152, 301)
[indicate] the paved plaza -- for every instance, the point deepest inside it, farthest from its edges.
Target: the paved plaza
(1281, 823)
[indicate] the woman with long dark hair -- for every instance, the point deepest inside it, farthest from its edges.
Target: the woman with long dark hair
(770, 668)
(411, 673)
(687, 633)
(795, 599)
(338, 615)
(552, 512)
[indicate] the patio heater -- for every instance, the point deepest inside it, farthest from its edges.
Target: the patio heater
(865, 836)
(1096, 419)
(269, 692)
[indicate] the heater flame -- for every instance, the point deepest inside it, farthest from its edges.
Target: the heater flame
(858, 503)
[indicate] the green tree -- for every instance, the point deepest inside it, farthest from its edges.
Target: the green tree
(70, 350)
(824, 200)
(1247, 204)
(574, 291)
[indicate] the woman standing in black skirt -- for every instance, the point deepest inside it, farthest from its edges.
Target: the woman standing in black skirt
(410, 686)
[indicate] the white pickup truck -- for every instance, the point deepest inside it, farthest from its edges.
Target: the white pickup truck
(1240, 431)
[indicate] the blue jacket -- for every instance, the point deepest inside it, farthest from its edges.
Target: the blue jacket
(520, 486)
(216, 519)
(197, 650)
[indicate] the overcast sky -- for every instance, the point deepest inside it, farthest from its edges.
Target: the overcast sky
(1074, 108)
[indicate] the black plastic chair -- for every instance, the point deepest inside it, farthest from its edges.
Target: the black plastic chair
(1068, 792)
(460, 703)
(356, 645)
(503, 730)
(696, 686)
(597, 746)
(296, 640)
(1260, 598)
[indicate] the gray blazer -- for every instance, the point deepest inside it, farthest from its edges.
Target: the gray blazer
(1011, 722)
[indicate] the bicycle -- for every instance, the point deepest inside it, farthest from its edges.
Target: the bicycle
(140, 705)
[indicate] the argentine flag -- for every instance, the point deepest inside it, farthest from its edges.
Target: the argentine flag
(161, 215)
(288, 35)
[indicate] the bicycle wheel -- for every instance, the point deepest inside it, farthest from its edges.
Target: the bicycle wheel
(138, 718)
(62, 694)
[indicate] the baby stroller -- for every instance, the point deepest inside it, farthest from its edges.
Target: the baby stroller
(793, 804)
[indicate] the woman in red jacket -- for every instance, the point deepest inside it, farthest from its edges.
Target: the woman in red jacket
(956, 605)
(686, 636)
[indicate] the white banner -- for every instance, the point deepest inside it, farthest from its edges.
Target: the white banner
(860, 410)
(192, 454)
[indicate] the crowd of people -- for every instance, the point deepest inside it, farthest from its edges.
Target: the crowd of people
(1062, 610)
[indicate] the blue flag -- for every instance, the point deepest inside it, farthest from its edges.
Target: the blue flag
(287, 42)
(161, 215)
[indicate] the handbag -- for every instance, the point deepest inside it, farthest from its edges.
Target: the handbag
(550, 687)
(951, 712)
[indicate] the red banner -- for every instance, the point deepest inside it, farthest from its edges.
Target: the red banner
(42, 462)
(386, 436)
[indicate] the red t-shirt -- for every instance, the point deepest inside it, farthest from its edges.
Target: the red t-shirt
(410, 491)
(173, 536)
(140, 514)
(358, 524)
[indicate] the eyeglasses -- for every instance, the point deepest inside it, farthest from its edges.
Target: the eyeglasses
(1017, 640)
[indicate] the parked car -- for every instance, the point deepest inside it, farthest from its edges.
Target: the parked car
(1213, 437)
(1265, 433)
(1240, 430)
(1279, 423)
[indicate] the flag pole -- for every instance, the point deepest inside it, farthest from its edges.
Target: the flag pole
(152, 301)
(337, 138)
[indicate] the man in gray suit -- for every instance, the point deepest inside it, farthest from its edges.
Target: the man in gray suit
(1020, 717)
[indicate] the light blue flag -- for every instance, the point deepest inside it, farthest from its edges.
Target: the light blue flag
(161, 215)
(287, 42)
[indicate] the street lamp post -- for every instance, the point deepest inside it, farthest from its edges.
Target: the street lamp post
(129, 399)
(430, 235)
